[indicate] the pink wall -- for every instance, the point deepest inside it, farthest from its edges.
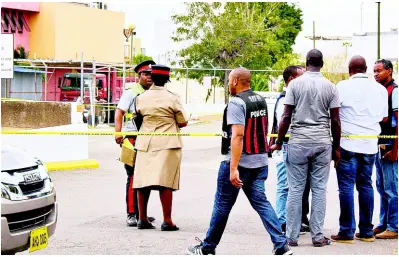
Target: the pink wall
(32, 7)
(23, 39)
(19, 38)
(53, 92)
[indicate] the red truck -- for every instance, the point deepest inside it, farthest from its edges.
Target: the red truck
(70, 89)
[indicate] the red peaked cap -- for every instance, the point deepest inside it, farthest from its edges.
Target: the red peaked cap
(160, 70)
(144, 66)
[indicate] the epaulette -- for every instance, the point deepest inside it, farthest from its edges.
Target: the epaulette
(172, 93)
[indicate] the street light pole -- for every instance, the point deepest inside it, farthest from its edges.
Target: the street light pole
(131, 49)
(132, 27)
(314, 36)
(379, 32)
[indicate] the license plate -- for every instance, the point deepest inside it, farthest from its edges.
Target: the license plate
(38, 239)
(31, 177)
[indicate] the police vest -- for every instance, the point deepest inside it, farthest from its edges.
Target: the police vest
(386, 127)
(136, 90)
(256, 124)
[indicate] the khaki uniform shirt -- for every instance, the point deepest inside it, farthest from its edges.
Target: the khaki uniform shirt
(161, 111)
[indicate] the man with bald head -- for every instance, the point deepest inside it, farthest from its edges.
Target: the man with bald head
(245, 146)
(363, 105)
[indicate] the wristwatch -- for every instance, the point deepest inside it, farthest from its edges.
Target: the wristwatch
(279, 142)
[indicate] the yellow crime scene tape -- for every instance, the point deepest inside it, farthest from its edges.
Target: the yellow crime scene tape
(105, 133)
(102, 105)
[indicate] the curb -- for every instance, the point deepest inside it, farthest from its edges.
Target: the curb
(72, 165)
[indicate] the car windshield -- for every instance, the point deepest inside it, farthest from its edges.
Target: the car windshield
(74, 83)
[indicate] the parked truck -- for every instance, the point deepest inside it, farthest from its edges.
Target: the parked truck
(70, 86)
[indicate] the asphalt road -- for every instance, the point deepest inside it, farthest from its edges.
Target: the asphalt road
(91, 217)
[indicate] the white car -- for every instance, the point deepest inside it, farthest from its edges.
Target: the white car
(28, 202)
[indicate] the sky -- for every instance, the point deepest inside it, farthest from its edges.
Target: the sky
(332, 18)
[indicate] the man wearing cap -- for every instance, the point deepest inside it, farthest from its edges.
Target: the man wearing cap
(126, 107)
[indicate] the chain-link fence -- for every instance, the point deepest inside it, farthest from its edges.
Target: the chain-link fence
(99, 86)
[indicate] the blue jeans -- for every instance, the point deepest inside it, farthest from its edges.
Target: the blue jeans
(387, 187)
(355, 168)
(282, 191)
(226, 195)
(282, 187)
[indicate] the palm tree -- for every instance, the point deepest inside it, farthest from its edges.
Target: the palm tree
(346, 45)
(20, 53)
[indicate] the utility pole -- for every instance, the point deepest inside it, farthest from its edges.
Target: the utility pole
(361, 18)
(131, 49)
(81, 77)
(314, 36)
(379, 32)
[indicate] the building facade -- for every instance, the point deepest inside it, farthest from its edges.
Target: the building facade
(62, 31)
(59, 31)
(15, 19)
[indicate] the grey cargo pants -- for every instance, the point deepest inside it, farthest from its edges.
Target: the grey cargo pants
(317, 159)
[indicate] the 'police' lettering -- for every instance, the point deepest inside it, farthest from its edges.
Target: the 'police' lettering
(256, 114)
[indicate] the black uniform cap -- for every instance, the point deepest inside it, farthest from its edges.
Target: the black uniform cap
(160, 70)
(144, 66)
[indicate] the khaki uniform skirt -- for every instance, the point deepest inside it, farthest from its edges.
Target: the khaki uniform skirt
(158, 168)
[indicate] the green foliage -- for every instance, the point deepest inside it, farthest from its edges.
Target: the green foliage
(335, 68)
(20, 53)
(141, 58)
(255, 35)
(260, 82)
(336, 77)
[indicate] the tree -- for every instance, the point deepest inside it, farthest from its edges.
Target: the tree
(141, 58)
(335, 68)
(346, 45)
(20, 53)
(255, 35)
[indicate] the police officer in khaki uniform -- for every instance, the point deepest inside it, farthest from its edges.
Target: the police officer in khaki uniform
(158, 157)
(126, 108)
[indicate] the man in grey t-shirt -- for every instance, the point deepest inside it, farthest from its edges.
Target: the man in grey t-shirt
(246, 120)
(312, 102)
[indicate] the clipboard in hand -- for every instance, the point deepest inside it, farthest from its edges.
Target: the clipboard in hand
(128, 153)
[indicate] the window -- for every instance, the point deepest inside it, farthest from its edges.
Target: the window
(5, 22)
(23, 22)
(9, 21)
(99, 84)
(16, 21)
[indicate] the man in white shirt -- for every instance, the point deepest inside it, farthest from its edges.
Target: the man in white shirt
(363, 106)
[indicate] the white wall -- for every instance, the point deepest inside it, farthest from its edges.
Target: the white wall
(53, 148)
(366, 46)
